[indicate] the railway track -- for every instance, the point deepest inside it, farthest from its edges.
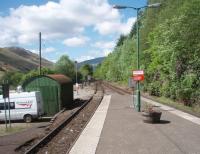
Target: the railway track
(116, 89)
(60, 139)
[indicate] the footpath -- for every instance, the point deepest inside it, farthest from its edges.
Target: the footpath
(116, 128)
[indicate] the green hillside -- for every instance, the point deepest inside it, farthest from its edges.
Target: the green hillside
(170, 52)
(19, 59)
(94, 62)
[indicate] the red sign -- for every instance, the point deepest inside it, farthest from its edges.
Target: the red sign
(138, 75)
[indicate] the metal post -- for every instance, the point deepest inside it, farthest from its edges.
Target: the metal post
(40, 67)
(138, 105)
(138, 63)
(76, 79)
(76, 74)
(9, 111)
(5, 113)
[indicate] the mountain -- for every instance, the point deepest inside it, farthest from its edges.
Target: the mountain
(19, 59)
(93, 62)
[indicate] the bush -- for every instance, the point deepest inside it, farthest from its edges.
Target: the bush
(188, 92)
(196, 97)
(165, 89)
(173, 90)
(153, 88)
(184, 95)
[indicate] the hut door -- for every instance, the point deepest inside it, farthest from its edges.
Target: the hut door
(50, 99)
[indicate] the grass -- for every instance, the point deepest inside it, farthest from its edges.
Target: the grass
(13, 129)
(194, 110)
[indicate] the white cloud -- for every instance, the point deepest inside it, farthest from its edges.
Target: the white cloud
(34, 51)
(104, 45)
(100, 53)
(108, 27)
(43, 50)
(60, 19)
(106, 52)
(75, 41)
(83, 58)
(64, 21)
(126, 28)
(104, 48)
(53, 60)
(56, 20)
(97, 53)
(48, 50)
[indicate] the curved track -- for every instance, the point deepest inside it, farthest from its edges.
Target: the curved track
(65, 130)
(115, 88)
(52, 142)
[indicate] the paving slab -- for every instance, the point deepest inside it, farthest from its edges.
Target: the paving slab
(179, 113)
(124, 132)
(89, 138)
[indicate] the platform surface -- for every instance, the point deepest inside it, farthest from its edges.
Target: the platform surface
(124, 132)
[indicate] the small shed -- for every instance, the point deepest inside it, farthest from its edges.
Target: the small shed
(56, 91)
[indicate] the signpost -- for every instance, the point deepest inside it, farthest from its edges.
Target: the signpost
(131, 82)
(5, 92)
(138, 75)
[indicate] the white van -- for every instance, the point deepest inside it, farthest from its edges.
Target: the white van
(24, 105)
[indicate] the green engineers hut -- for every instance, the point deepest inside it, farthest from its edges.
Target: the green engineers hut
(56, 91)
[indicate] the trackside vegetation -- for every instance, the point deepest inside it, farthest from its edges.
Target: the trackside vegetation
(170, 52)
(63, 66)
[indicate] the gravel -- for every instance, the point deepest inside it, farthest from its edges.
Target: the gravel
(62, 142)
(30, 134)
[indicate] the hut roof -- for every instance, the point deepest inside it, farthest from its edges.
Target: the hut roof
(60, 78)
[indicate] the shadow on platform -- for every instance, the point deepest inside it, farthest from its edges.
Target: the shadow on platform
(163, 122)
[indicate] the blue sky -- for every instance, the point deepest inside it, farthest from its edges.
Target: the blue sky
(82, 29)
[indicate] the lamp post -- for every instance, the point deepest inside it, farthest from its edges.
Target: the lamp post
(155, 5)
(40, 67)
(76, 71)
(76, 77)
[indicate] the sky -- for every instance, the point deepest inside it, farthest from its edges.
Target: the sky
(81, 29)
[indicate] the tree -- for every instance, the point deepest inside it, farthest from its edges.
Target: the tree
(13, 78)
(120, 41)
(169, 51)
(16, 78)
(44, 71)
(65, 66)
(86, 70)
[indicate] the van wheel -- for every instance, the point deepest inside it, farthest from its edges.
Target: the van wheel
(28, 118)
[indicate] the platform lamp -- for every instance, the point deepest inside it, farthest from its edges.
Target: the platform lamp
(155, 5)
(76, 77)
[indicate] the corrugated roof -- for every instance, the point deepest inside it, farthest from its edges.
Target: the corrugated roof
(60, 78)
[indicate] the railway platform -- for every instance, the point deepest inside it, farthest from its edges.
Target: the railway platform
(116, 128)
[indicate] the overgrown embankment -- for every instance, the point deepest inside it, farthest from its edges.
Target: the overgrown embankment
(170, 52)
